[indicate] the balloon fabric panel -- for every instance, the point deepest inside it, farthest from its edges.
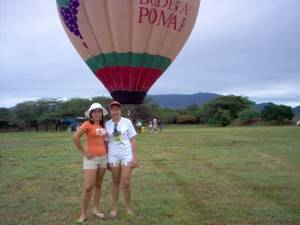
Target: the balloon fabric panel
(128, 44)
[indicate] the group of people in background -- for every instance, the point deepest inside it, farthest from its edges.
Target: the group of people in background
(155, 125)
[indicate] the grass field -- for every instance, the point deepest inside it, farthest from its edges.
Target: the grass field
(188, 175)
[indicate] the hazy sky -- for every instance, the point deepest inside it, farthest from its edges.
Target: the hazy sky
(242, 47)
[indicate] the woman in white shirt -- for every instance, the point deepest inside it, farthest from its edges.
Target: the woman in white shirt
(121, 155)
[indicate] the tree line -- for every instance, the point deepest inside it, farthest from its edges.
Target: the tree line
(220, 111)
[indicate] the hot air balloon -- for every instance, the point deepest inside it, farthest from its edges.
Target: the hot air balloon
(128, 44)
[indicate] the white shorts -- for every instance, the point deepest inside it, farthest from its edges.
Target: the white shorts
(94, 162)
(114, 160)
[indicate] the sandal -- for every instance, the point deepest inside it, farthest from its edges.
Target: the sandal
(129, 212)
(98, 214)
(81, 220)
(113, 214)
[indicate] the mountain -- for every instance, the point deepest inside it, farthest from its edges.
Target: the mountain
(260, 106)
(177, 101)
(297, 111)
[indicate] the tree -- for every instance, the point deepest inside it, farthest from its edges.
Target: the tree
(234, 104)
(277, 112)
(168, 115)
(5, 114)
(222, 118)
(26, 112)
(33, 113)
(104, 101)
(186, 119)
(192, 111)
(7, 118)
(47, 118)
(286, 112)
(74, 107)
(248, 115)
(145, 111)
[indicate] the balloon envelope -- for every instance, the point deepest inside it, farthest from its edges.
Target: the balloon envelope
(128, 44)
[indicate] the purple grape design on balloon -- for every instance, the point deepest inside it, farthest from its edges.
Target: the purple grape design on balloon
(69, 15)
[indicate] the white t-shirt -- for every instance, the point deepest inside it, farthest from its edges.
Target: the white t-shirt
(119, 143)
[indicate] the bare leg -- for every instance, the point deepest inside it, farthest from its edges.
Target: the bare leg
(126, 182)
(97, 192)
(89, 181)
(116, 175)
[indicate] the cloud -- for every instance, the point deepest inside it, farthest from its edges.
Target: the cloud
(240, 47)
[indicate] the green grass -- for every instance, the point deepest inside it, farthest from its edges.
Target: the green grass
(188, 175)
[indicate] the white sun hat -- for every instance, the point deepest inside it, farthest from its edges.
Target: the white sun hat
(95, 106)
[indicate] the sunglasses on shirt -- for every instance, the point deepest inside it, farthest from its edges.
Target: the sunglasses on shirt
(116, 132)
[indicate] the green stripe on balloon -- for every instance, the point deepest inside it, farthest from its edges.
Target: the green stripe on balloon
(128, 59)
(64, 3)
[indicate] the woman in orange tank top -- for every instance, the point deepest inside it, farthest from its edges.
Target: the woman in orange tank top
(94, 157)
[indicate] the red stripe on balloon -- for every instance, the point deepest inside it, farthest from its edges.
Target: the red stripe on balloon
(128, 78)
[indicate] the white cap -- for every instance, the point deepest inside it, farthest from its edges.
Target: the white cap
(95, 106)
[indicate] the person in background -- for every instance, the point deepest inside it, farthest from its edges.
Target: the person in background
(154, 125)
(139, 126)
(150, 126)
(160, 125)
